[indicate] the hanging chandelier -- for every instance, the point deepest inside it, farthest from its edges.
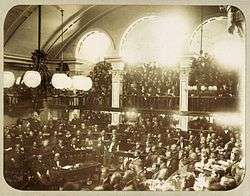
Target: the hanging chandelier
(80, 82)
(32, 79)
(203, 57)
(38, 78)
(61, 80)
(8, 79)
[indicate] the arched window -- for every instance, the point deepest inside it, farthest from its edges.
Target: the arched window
(158, 39)
(228, 49)
(94, 46)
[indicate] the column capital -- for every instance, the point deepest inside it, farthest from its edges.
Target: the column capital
(117, 75)
(116, 62)
(184, 71)
(186, 61)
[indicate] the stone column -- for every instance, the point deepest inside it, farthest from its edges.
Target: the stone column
(185, 64)
(117, 77)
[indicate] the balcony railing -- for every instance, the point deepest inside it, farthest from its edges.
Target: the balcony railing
(213, 104)
(160, 103)
(86, 101)
(209, 104)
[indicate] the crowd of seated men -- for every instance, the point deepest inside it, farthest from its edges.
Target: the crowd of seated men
(29, 141)
(206, 73)
(148, 86)
(147, 154)
(167, 153)
(148, 80)
(206, 76)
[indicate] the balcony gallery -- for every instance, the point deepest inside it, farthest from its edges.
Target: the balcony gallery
(115, 97)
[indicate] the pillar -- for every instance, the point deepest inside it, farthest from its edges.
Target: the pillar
(185, 64)
(117, 77)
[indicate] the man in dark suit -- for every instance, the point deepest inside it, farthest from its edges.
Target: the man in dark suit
(129, 180)
(75, 121)
(56, 162)
(105, 181)
(136, 164)
(41, 174)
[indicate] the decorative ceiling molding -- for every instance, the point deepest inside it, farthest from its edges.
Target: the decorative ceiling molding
(18, 22)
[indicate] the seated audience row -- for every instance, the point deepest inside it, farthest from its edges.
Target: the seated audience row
(150, 153)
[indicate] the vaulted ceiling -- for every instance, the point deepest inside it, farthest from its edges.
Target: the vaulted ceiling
(20, 28)
(21, 25)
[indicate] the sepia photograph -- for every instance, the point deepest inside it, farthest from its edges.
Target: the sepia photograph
(124, 97)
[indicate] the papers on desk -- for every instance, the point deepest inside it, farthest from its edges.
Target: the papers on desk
(67, 167)
(71, 166)
(201, 182)
(77, 165)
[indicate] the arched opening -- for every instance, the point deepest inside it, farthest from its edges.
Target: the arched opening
(91, 50)
(94, 46)
(227, 49)
(154, 38)
(222, 67)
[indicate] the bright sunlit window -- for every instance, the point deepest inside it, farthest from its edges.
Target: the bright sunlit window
(154, 39)
(94, 46)
(228, 49)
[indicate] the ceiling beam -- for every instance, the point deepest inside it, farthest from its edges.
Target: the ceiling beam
(18, 22)
(80, 30)
(67, 25)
